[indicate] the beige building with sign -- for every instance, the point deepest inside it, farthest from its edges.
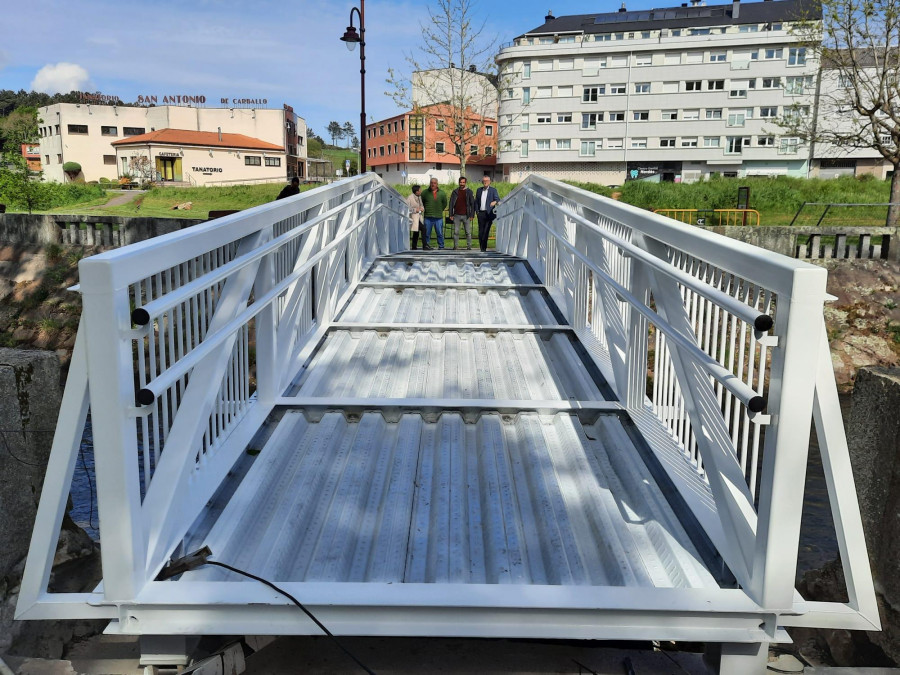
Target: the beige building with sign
(87, 134)
(200, 158)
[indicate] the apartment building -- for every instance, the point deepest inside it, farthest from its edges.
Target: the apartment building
(87, 134)
(674, 94)
(416, 146)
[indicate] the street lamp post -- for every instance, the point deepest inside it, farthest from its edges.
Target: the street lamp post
(351, 38)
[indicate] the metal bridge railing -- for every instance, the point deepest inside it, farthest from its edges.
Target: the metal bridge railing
(163, 359)
(717, 217)
(718, 350)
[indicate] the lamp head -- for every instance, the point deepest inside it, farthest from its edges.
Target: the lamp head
(350, 38)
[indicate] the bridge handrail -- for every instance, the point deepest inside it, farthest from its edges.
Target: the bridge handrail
(648, 295)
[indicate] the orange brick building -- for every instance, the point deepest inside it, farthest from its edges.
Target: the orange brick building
(32, 154)
(416, 146)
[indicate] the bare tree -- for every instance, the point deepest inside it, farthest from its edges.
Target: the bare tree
(856, 44)
(454, 83)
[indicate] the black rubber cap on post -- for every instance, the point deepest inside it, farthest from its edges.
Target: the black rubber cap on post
(763, 323)
(145, 397)
(140, 316)
(756, 404)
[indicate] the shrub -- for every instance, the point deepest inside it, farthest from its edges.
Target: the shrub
(71, 167)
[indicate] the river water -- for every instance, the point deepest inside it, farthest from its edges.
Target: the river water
(817, 539)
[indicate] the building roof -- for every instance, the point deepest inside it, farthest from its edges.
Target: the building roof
(210, 139)
(682, 17)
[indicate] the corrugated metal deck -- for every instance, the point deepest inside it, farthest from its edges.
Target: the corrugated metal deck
(379, 493)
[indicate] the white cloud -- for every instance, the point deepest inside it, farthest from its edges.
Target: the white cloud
(61, 77)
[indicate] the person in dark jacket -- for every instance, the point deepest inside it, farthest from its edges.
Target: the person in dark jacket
(486, 199)
(462, 208)
(290, 190)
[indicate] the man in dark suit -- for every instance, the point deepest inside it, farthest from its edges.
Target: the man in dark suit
(486, 198)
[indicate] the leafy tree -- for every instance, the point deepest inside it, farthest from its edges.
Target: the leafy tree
(348, 131)
(335, 130)
(354, 142)
(856, 43)
(141, 167)
(314, 147)
(19, 128)
(448, 74)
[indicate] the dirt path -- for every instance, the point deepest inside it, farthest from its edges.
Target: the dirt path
(123, 198)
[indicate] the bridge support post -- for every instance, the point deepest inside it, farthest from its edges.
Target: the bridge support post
(737, 658)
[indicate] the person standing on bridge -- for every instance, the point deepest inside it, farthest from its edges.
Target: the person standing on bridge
(486, 199)
(414, 202)
(435, 203)
(462, 207)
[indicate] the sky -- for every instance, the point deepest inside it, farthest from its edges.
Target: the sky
(286, 52)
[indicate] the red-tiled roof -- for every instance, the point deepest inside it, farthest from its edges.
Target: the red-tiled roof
(204, 138)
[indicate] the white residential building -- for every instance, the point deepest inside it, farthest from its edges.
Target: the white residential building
(666, 94)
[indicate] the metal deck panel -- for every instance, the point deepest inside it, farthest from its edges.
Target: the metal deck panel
(448, 306)
(481, 365)
(535, 499)
(450, 272)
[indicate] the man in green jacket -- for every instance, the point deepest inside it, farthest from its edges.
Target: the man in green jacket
(435, 203)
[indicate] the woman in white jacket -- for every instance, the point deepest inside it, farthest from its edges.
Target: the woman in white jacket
(414, 202)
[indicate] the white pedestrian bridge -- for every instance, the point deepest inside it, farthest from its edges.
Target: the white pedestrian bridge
(598, 431)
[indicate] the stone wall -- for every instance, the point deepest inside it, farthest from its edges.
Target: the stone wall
(105, 231)
(873, 434)
(808, 242)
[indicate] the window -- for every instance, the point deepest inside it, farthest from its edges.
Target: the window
(638, 143)
(691, 115)
(589, 120)
(273, 161)
(109, 131)
(439, 147)
(563, 143)
(488, 151)
(711, 141)
(667, 142)
(737, 92)
(544, 64)
(717, 57)
(796, 86)
(488, 130)
(693, 85)
(46, 159)
(643, 60)
(796, 113)
(567, 64)
(523, 149)
(614, 143)
(641, 87)
(689, 142)
(641, 115)
(542, 144)
(505, 145)
(381, 151)
(402, 147)
(670, 87)
(388, 149)
(734, 145)
(590, 94)
(524, 126)
(797, 56)
(669, 115)
(474, 129)
(251, 160)
(78, 128)
(57, 129)
(699, 31)
(617, 89)
(773, 54)
(744, 57)
(789, 146)
(676, 32)
(439, 125)
(509, 93)
(713, 113)
(768, 113)
(59, 158)
(672, 59)
(526, 70)
(109, 159)
(526, 94)
(748, 28)
(617, 116)
(473, 150)
(564, 92)
(766, 141)
(566, 39)
(544, 92)
(381, 130)
(588, 148)
(618, 61)
(771, 83)
(133, 131)
(715, 85)
(736, 118)
(562, 118)
(416, 138)
(544, 118)
(402, 125)
(695, 57)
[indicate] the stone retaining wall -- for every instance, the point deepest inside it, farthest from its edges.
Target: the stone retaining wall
(105, 231)
(818, 243)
